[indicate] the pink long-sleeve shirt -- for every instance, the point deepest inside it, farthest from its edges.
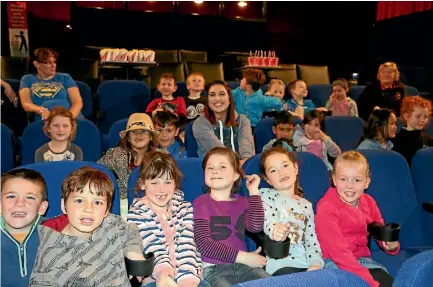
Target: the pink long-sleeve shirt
(342, 231)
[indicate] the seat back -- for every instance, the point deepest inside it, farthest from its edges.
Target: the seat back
(422, 174)
(176, 69)
(192, 184)
(319, 278)
(233, 85)
(319, 93)
(86, 96)
(119, 99)
(287, 75)
(313, 74)
(193, 56)
(55, 172)
(190, 141)
(392, 188)
(429, 128)
(210, 71)
(411, 91)
(345, 131)
(416, 271)
(166, 56)
(356, 91)
(88, 138)
(7, 149)
(114, 134)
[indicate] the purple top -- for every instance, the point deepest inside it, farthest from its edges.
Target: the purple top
(219, 226)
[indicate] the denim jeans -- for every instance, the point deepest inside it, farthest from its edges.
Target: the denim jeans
(201, 284)
(227, 275)
(366, 262)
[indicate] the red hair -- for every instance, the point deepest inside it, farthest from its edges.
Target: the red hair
(409, 103)
(231, 115)
(62, 112)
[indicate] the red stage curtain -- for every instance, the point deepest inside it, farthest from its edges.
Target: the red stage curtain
(390, 9)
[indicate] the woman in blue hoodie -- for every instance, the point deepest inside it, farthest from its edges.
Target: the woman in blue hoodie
(221, 126)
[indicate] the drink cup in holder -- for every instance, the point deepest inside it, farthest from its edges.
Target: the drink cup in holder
(275, 249)
(140, 268)
(389, 232)
(252, 61)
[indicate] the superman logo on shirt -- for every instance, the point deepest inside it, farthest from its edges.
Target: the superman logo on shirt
(46, 90)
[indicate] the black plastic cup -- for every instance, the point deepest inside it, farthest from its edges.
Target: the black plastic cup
(142, 268)
(389, 232)
(276, 249)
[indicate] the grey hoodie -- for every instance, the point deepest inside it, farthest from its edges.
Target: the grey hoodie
(239, 139)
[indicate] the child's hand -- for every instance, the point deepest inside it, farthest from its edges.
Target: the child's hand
(314, 267)
(281, 231)
(255, 260)
(252, 183)
(166, 281)
(323, 109)
(135, 255)
(390, 246)
(333, 96)
(318, 134)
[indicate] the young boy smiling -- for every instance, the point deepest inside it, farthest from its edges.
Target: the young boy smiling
(23, 202)
(86, 245)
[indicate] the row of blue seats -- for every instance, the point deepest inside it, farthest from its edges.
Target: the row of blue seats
(398, 191)
(345, 131)
(117, 99)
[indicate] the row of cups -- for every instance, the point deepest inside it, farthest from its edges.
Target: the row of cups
(125, 56)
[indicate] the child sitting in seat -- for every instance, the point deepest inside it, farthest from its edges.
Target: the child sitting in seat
(23, 202)
(87, 245)
(287, 215)
(339, 103)
(60, 127)
(167, 86)
(282, 127)
(380, 128)
(249, 98)
(167, 129)
(298, 105)
(342, 217)
(165, 222)
(195, 103)
(415, 112)
(221, 217)
(310, 137)
(276, 89)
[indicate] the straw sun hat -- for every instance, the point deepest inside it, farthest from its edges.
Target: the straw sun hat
(138, 121)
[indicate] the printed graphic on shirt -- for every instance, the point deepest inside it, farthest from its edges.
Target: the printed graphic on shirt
(220, 227)
(66, 156)
(194, 111)
(46, 90)
(298, 221)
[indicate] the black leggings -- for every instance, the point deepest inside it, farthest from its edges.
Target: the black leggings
(288, 270)
(381, 276)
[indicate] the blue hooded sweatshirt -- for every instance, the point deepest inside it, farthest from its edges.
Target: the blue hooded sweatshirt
(253, 106)
(17, 259)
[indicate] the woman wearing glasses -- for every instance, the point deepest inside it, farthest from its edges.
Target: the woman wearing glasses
(47, 89)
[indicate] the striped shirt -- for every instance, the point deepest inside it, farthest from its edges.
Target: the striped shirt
(220, 226)
(170, 238)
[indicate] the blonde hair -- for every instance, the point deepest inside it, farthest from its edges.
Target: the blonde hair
(389, 65)
(275, 82)
(195, 74)
(352, 156)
